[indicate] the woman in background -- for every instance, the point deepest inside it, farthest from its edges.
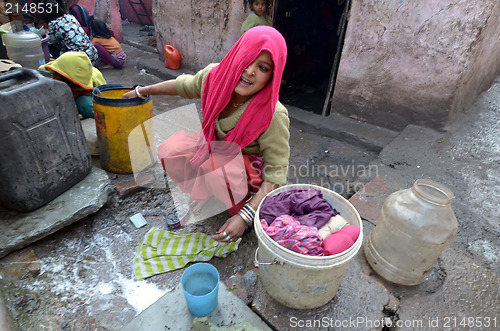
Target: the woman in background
(65, 32)
(109, 49)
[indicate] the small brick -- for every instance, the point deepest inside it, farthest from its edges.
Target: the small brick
(135, 185)
(20, 264)
(369, 200)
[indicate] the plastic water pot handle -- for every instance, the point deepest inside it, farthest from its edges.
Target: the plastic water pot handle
(257, 263)
(97, 91)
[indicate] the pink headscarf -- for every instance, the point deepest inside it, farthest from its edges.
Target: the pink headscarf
(221, 82)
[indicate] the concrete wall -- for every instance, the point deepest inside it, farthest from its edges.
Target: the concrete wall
(422, 62)
(203, 31)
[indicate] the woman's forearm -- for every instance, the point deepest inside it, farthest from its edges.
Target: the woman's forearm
(165, 88)
(264, 189)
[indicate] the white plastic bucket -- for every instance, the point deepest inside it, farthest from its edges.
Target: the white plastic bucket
(301, 281)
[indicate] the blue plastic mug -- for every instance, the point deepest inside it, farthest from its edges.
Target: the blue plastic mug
(200, 284)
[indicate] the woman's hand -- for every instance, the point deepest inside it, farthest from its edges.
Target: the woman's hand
(129, 95)
(236, 226)
(232, 230)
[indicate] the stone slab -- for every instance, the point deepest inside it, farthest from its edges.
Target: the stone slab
(86, 197)
(170, 312)
(357, 133)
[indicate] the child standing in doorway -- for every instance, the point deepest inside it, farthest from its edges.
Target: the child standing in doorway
(259, 10)
(109, 49)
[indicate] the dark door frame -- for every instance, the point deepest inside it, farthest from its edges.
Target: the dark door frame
(333, 76)
(341, 34)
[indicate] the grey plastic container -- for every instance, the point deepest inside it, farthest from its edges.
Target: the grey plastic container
(44, 150)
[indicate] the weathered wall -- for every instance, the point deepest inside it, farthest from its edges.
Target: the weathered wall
(420, 62)
(203, 31)
(483, 66)
(128, 12)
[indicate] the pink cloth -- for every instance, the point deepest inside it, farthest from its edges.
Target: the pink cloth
(341, 240)
(289, 233)
(221, 81)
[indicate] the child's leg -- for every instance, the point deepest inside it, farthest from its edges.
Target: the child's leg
(104, 55)
(119, 59)
(116, 64)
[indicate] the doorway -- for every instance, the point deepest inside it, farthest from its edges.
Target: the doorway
(314, 32)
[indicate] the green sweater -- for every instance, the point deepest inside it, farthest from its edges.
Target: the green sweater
(255, 20)
(272, 145)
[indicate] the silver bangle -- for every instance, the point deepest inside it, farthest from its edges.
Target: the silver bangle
(138, 94)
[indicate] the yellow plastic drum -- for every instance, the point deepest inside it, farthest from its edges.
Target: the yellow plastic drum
(124, 129)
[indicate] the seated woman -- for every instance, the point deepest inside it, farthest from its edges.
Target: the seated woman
(240, 109)
(109, 49)
(65, 32)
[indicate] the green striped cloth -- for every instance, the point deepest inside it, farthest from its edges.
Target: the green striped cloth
(163, 251)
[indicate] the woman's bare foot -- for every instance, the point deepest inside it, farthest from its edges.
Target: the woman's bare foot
(197, 205)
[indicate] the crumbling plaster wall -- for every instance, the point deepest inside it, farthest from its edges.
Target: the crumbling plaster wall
(421, 62)
(203, 31)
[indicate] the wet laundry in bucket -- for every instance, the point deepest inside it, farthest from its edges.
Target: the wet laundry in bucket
(289, 233)
(341, 240)
(302, 221)
(334, 224)
(163, 251)
(305, 205)
(303, 239)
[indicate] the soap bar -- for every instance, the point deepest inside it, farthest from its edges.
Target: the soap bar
(138, 220)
